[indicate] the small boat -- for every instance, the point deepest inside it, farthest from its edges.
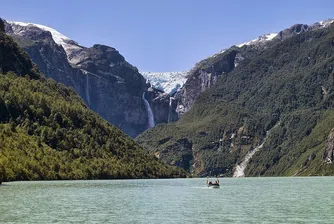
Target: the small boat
(212, 184)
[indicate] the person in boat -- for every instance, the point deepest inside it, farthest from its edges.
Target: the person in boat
(207, 181)
(211, 183)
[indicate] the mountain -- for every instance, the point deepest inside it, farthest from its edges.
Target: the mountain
(99, 74)
(48, 133)
(206, 73)
(259, 108)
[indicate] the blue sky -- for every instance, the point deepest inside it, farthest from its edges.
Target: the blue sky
(166, 35)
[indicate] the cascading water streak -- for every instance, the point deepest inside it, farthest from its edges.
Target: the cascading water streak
(170, 118)
(149, 111)
(87, 90)
(240, 169)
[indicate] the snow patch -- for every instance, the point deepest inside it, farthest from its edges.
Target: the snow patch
(60, 39)
(325, 23)
(260, 39)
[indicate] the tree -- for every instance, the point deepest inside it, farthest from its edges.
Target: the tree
(3, 176)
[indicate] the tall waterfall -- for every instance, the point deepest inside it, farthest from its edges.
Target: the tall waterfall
(170, 110)
(87, 90)
(149, 112)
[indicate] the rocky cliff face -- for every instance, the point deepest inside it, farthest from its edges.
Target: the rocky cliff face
(2, 26)
(163, 106)
(113, 88)
(301, 28)
(203, 76)
(49, 56)
(100, 75)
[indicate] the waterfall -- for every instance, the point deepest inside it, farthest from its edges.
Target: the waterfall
(150, 115)
(240, 169)
(170, 110)
(87, 90)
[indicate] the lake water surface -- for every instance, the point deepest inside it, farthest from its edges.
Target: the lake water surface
(239, 200)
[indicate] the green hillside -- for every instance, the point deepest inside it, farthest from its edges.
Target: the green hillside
(48, 133)
(287, 85)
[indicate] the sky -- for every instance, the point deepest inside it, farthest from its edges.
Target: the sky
(166, 35)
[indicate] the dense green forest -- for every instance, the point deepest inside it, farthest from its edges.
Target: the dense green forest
(48, 133)
(286, 87)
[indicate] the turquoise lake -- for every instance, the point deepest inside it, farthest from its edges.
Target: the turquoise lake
(239, 200)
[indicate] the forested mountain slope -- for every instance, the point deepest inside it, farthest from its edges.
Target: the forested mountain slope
(284, 87)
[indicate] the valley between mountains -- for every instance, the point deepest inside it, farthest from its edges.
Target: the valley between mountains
(260, 108)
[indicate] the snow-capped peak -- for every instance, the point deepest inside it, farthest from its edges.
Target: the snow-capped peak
(57, 37)
(169, 82)
(260, 39)
(325, 23)
(62, 40)
(271, 36)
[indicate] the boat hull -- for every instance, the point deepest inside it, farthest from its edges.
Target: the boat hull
(213, 186)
